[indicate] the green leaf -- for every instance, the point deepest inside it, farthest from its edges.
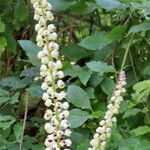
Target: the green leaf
(4, 100)
(103, 39)
(83, 8)
(3, 92)
(31, 51)
(61, 4)
(145, 26)
(3, 44)
(30, 72)
(18, 131)
(131, 112)
(35, 90)
(96, 41)
(77, 117)
(96, 79)
(11, 42)
(2, 26)
(99, 66)
(141, 130)
(83, 146)
(15, 82)
(140, 86)
(6, 121)
(109, 5)
(78, 97)
(108, 86)
(14, 99)
(83, 74)
(74, 52)
(21, 10)
(90, 92)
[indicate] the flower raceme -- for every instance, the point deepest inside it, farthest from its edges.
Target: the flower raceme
(57, 126)
(103, 132)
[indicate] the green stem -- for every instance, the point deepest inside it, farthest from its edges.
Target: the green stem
(126, 52)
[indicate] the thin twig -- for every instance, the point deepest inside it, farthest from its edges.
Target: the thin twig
(24, 120)
(126, 52)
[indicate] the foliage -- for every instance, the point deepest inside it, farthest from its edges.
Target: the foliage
(93, 35)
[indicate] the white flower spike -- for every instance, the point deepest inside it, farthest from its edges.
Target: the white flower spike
(57, 113)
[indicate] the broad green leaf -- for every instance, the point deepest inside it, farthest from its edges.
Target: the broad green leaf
(77, 117)
(4, 92)
(31, 51)
(99, 66)
(18, 131)
(74, 52)
(2, 26)
(2, 142)
(11, 42)
(62, 4)
(145, 26)
(83, 74)
(35, 90)
(103, 39)
(90, 92)
(14, 99)
(129, 144)
(96, 41)
(83, 146)
(30, 72)
(109, 5)
(78, 97)
(4, 100)
(21, 10)
(131, 112)
(140, 86)
(96, 114)
(15, 82)
(3, 44)
(95, 79)
(108, 86)
(83, 8)
(141, 130)
(38, 147)
(6, 121)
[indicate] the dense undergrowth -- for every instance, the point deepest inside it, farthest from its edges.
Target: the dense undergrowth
(94, 36)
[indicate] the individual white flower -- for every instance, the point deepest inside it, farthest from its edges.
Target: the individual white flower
(66, 105)
(45, 96)
(44, 86)
(48, 102)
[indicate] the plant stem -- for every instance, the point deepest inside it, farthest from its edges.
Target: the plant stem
(24, 120)
(126, 52)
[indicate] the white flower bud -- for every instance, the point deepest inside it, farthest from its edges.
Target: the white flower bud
(44, 86)
(53, 36)
(44, 60)
(37, 27)
(55, 54)
(68, 142)
(67, 132)
(48, 102)
(40, 55)
(45, 96)
(60, 84)
(65, 105)
(42, 21)
(51, 28)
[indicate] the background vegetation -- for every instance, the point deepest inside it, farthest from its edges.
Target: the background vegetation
(93, 36)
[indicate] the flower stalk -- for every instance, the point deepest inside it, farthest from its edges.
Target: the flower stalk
(57, 125)
(103, 132)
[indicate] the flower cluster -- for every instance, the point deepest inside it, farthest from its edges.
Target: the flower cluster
(57, 126)
(103, 132)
